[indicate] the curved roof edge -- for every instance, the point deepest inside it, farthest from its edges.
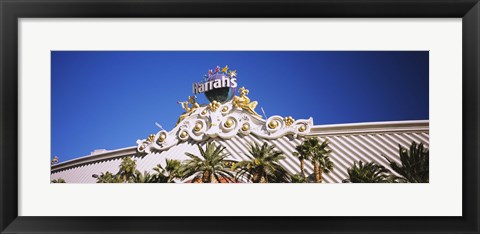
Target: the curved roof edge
(371, 127)
(111, 154)
(317, 130)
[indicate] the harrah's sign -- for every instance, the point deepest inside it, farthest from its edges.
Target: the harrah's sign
(224, 82)
(228, 80)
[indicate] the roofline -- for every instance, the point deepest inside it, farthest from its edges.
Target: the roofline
(371, 127)
(317, 130)
(94, 158)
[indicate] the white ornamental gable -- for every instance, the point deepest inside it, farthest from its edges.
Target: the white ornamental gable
(223, 121)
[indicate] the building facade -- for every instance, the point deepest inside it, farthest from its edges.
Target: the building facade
(231, 121)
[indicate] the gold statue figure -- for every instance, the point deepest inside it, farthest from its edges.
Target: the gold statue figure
(188, 110)
(243, 101)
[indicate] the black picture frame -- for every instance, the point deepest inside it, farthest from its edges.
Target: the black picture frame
(11, 11)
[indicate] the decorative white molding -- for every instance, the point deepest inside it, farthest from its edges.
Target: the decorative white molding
(371, 127)
(224, 122)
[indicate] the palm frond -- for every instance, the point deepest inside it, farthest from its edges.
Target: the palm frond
(367, 173)
(414, 166)
(211, 162)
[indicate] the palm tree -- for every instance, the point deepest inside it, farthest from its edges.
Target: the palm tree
(209, 165)
(304, 153)
(126, 173)
(107, 177)
(415, 164)
(59, 180)
(127, 169)
(367, 173)
(299, 178)
(321, 161)
(144, 178)
(123, 175)
(171, 171)
(263, 166)
(318, 154)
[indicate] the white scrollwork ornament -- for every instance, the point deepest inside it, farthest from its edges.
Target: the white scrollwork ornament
(225, 123)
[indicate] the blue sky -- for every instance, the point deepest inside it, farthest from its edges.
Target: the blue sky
(109, 99)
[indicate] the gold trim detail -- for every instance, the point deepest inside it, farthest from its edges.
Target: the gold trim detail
(162, 137)
(151, 137)
(273, 124)
(214, 105)
(228, 123)
(302, 128)
(198, 127)
(288, 120)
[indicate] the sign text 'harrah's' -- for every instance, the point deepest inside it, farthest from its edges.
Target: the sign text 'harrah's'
(224, 82)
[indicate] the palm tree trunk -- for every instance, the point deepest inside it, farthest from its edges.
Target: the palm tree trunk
(214, 179)
(302, 167)
(263, 178)
(257, 177)
(316, 172)
(321, 175)
(207, 177)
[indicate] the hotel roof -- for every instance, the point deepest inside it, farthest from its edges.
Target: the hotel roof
(369, 142)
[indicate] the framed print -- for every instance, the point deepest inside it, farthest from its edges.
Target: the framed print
(225, 116)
